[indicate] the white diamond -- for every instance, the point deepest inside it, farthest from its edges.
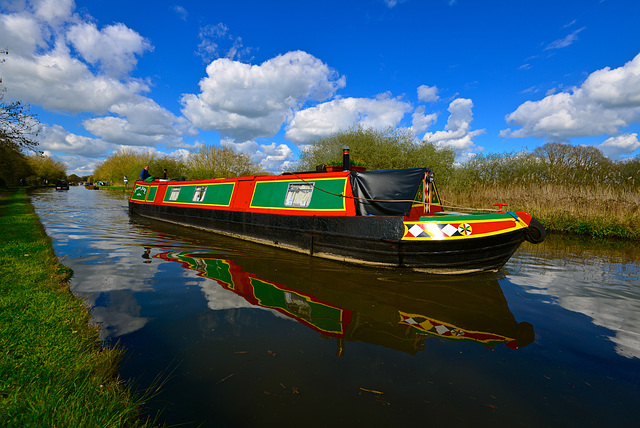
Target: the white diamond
(449, 230)
(442, 329)
(416, 230)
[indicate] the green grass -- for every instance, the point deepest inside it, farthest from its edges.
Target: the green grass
(53, 370)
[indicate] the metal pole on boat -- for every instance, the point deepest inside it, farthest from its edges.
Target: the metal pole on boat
(346, 161)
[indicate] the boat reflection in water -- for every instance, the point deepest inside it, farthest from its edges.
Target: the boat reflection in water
(394, 317)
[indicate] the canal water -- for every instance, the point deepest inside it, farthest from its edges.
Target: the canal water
(234, 334)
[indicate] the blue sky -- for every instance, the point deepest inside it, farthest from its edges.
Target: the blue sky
(267, 78)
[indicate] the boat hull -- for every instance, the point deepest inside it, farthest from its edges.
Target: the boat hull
(372, 240)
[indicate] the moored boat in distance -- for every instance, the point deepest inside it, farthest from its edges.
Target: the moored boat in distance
(391, 218)
(62, 185)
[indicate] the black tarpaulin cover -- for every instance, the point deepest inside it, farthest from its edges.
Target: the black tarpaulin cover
(373, 187)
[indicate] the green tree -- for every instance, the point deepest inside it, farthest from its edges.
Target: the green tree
(566, 164)
(13, 166)
(45, 168)
(74, 178)
(18, 129)
(127, 162)
(389, 149)
(498, 169)
(219, 162)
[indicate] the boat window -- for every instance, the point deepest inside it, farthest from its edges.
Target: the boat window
(198, 195)
(298, 195)
(175, 191)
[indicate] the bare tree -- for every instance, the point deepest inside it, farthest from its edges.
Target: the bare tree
(18, 127)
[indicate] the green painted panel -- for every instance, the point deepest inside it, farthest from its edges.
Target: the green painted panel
(324, 317)
(272, 194)
(139, 193)
(215, 194)
(152, 193)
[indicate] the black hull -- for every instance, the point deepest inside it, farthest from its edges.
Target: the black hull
(372, 240)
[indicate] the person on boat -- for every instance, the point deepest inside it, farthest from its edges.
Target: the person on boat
(144, 174)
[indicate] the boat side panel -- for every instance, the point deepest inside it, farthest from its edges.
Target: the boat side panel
(216, 194)
(368, 240)
(248, 194)
(327, 195)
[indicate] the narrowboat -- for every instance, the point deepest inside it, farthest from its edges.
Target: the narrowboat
(62, 185)
(391, 218)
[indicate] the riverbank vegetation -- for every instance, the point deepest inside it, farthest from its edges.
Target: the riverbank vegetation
(570, 189)
(53, 370)
(203, 162)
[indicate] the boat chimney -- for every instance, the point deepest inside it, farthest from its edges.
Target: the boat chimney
(346, 161)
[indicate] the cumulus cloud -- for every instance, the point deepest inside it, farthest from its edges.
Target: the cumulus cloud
(245, 102)
(421, 121)
(56, 139)
(457, 133)
(141, 123)
(271, 157)
(43, 70)
(115, 48)
(620, 145)
(78, 165)
(340, 114)
(608, 101)
(428, 94)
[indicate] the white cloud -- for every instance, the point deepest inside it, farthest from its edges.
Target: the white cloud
(141, 123)
(340, 114)
(56, 81)
(216, 42)
(457, 134)
(181, 12)
(421, 121)
(271, 157)
(608, 101)
(78, 165)
(20, 33)
(563, 43)
(42, 69)
(276, 157)
(619, 145)
(52, 11)
(428, 94)
(56, 139)
(114, 48)
(245, 102)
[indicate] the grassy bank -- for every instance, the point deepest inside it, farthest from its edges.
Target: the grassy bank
(53, 371)
(600, 212)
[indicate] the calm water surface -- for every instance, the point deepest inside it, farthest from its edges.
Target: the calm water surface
(244, 335)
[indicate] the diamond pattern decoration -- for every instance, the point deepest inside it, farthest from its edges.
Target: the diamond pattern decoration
(418, 232)
(448, 230)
